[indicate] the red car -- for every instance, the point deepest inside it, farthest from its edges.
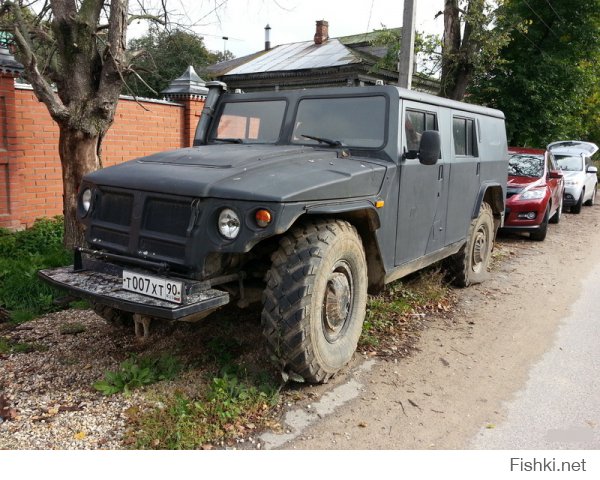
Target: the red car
(534, 193)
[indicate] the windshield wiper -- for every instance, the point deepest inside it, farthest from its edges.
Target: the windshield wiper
(229, 140)
(331, 143)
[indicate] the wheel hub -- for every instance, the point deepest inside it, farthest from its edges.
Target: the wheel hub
(336, 304)
(479, 249)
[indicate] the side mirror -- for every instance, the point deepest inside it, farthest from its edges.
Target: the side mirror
(556, 174)
(592, 169)
(430, 147)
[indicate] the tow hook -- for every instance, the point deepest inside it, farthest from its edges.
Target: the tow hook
(142, 326)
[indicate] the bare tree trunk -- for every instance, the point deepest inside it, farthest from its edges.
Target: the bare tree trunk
(450, 47)
(78, 156)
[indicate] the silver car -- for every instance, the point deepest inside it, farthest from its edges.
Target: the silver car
(574, 158)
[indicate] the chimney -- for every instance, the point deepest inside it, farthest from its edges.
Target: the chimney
(267, 37)
(322, 33)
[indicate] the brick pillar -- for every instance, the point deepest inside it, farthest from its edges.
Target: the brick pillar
(9, 179)
(190, 91)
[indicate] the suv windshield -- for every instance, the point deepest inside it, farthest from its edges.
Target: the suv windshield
(351, 122)
(526, 165)
(569, 163)
(250, 122)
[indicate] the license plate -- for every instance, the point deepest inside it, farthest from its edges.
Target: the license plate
(153, 286)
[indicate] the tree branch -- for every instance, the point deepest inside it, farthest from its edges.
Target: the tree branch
(42, 89)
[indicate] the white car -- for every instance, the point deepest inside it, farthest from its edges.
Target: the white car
(574, 158)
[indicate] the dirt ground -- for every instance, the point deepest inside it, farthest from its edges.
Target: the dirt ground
(467, 365)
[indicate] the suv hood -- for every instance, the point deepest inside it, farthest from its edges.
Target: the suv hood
(573, 147)
(248, 172)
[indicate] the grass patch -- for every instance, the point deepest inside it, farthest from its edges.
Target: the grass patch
(389, 314)
(228, 407)
(229, 390)
(22, 254)
(72, 328)
(136, 372)
(9, 346)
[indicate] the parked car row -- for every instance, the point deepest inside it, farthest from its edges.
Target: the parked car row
(543, 183)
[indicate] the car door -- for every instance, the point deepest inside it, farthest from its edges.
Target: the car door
(590, 179)
(422, 200)
(553, 182)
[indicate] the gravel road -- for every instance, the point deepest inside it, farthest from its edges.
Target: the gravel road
(466, 367)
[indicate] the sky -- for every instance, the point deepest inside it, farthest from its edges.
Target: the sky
(243, 21)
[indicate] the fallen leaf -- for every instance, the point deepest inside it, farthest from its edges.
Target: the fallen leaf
(490, 426)
(79, 435)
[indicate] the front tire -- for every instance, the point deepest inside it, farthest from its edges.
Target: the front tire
(591, 201)
(315, 300)
(577, 207)
(539, 235)
(470, 264)
(558, 214)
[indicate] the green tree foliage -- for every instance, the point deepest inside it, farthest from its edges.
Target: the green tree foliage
(470, 44)
(166, 55)
(548, 87)
(426, 47)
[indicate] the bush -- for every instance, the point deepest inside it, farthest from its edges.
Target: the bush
(22, 254)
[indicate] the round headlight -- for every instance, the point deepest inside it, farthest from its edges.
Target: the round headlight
(229, 223)
(86, 200)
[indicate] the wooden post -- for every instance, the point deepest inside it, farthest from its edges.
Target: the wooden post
(407, 45)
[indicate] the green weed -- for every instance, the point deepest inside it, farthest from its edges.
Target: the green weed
(387, 313)
(229, 406)
(73, 328)
(136, 372)
(10, 346)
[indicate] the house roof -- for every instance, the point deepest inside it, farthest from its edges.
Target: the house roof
(335, 52)
(349, 60)
(299, 56)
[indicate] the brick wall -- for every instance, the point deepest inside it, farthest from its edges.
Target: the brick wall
(30, 171)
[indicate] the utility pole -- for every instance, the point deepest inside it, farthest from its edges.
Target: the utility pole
(407, 45)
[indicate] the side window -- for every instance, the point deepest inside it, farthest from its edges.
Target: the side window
(465, 136)
(551, 162)
(415, 123)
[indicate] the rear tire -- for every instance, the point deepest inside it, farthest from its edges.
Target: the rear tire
(315, 301)
(470, 264)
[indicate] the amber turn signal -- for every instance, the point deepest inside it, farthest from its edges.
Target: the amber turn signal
(263, 218)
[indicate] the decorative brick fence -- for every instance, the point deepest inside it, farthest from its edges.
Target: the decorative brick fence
(30, 171)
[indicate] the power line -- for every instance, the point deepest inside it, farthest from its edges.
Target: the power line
(541, 19)
(555, 12)
(531, 41)
(370, 13)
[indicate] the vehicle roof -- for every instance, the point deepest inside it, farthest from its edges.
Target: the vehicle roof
(573, 147)
(412, 95)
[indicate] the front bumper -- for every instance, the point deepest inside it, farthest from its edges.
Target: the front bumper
(102, 283)
(571, 196)
(513, 222)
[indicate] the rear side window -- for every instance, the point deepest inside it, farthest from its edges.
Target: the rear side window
(465, 138)
(415, 123)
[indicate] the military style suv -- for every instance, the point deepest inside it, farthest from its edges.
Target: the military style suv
(312, 198)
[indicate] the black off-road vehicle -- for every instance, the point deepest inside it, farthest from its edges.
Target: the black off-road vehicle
(314, 197)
